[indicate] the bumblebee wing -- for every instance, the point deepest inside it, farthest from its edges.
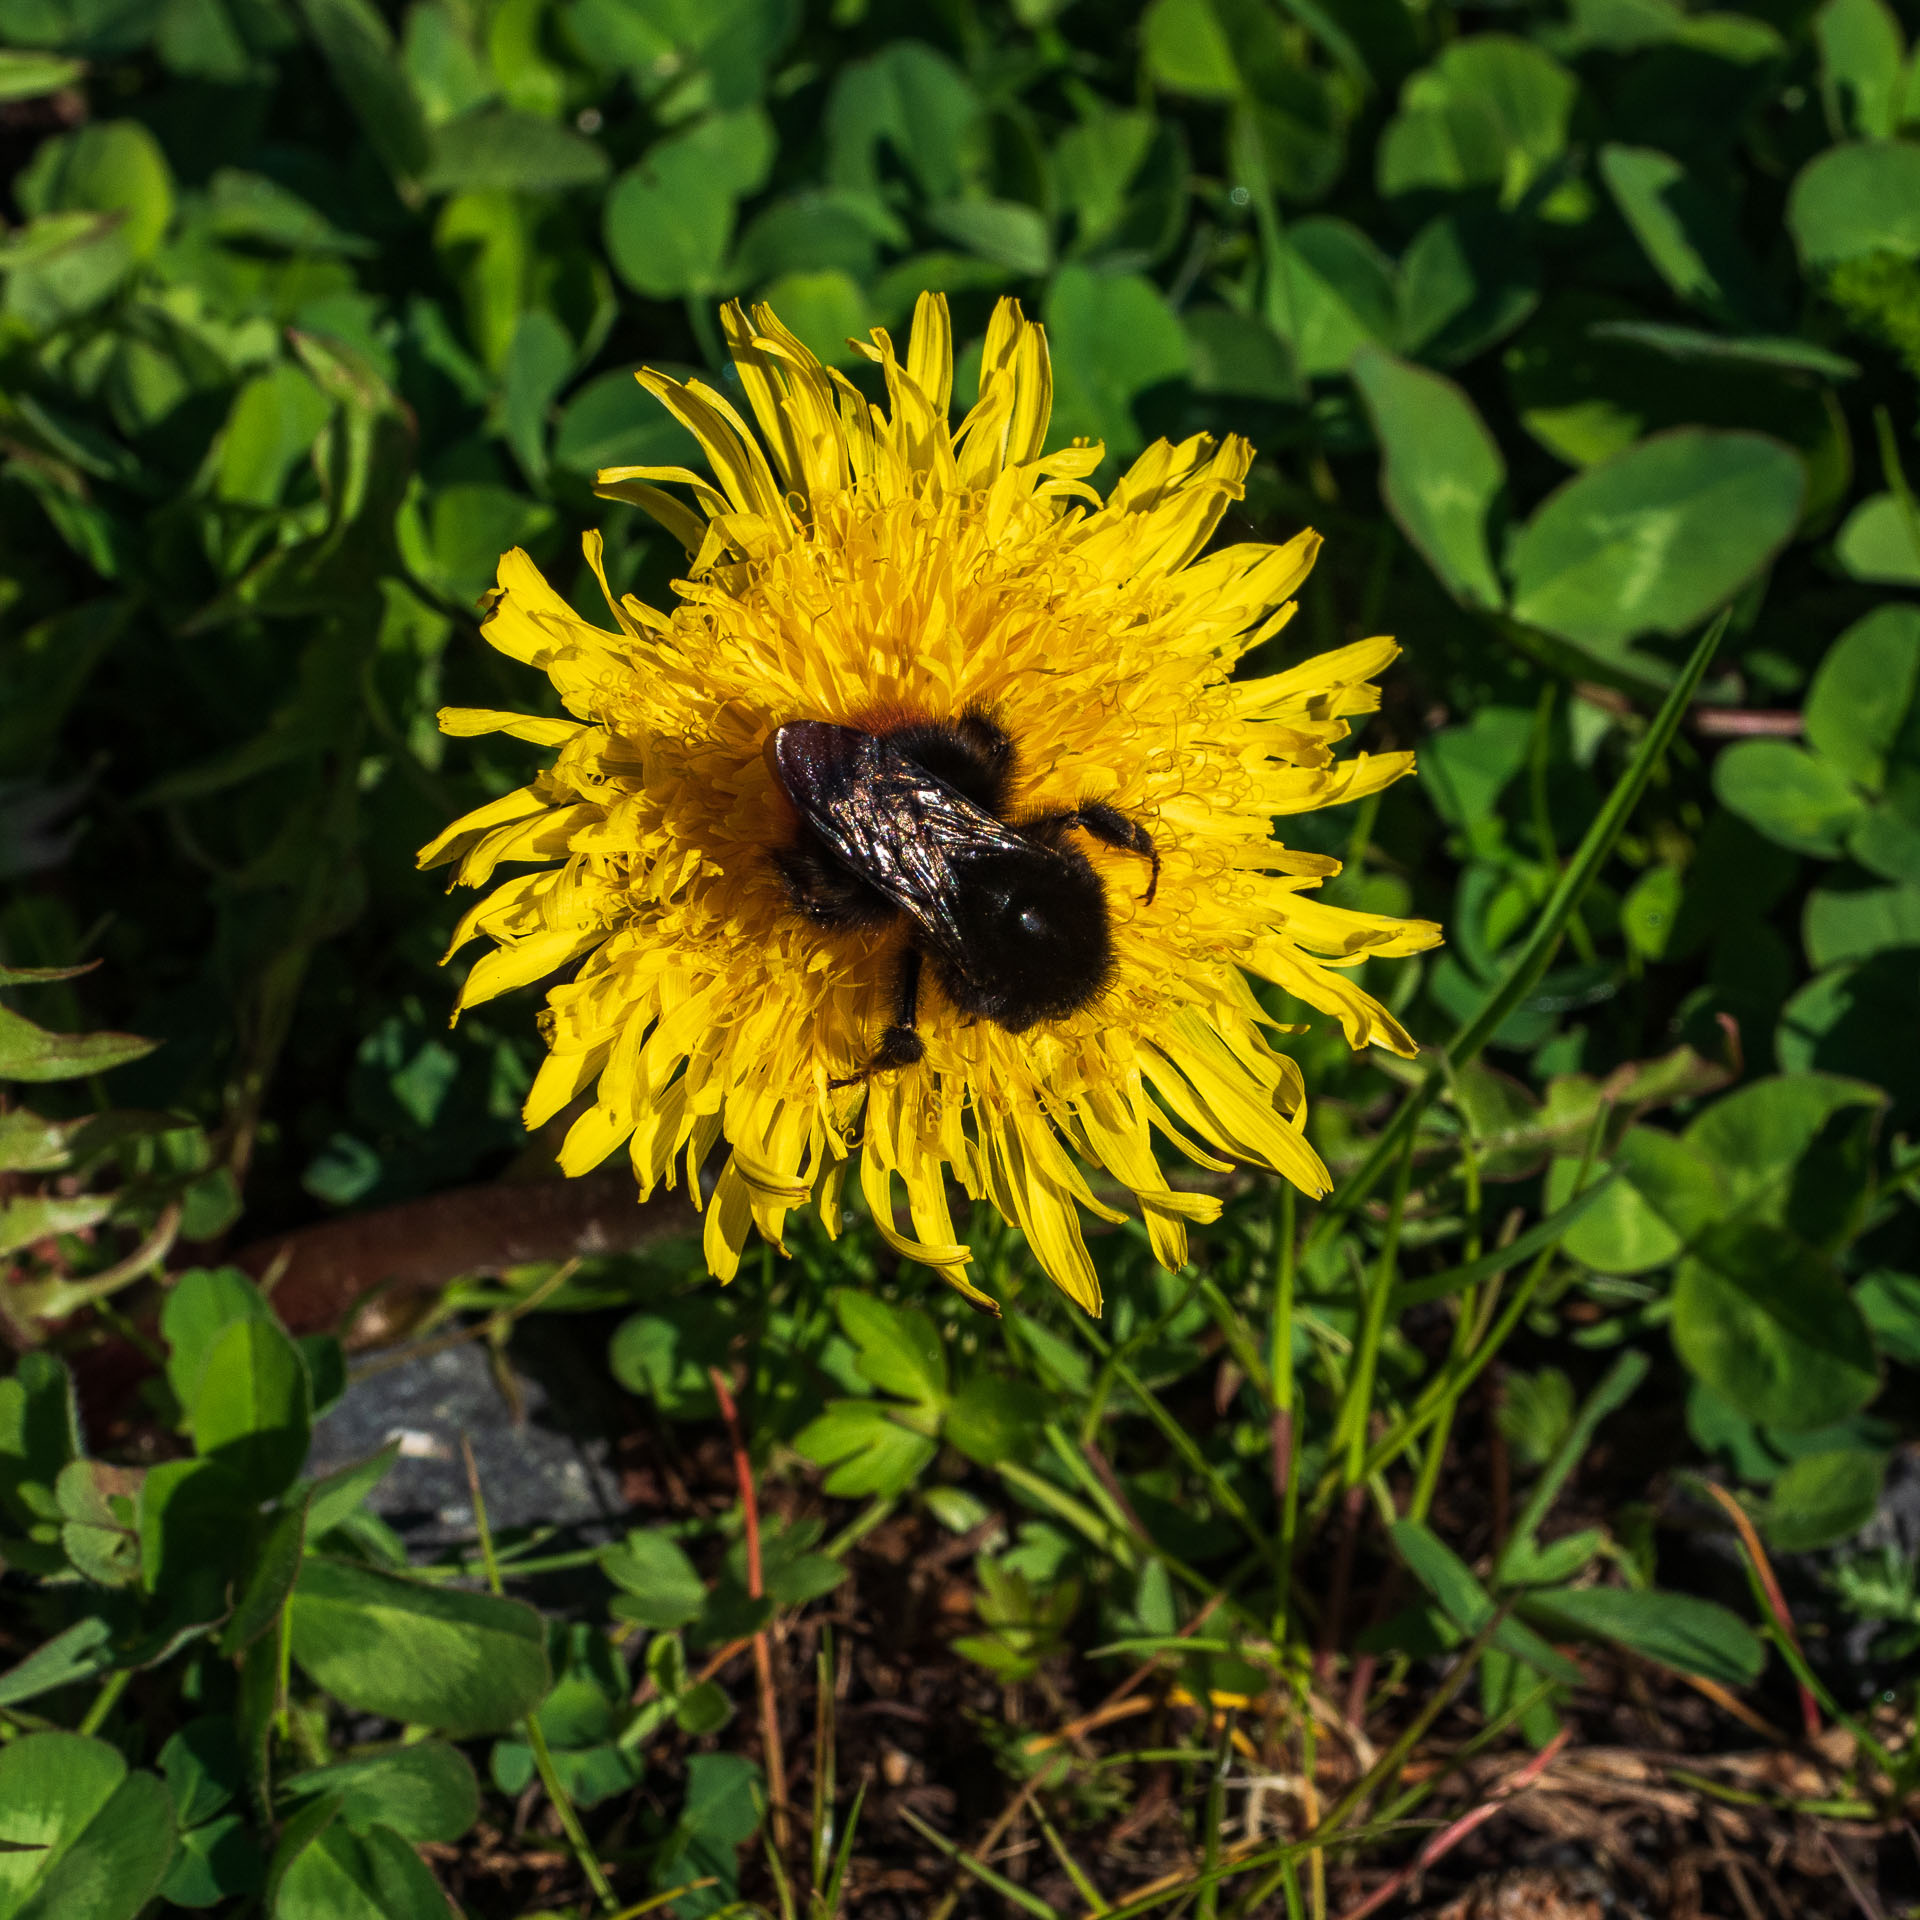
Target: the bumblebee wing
(887, 819)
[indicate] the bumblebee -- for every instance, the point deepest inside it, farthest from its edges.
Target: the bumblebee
(911, 825)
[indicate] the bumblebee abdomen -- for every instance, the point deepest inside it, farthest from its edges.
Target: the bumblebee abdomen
(1036, 942)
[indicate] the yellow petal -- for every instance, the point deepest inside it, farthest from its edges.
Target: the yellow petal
(464, 723)
(861, 562)
(471, 828)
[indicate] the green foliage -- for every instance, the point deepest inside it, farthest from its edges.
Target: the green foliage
(424, 1792)
(1568, 335)
(1655, 538)
(86, 1836)
(1025, 1620)
(462, 1662)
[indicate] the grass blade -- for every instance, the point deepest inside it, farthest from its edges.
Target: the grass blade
(996, 1882)
(530, 1727)
(1621, 1378)
(1527, 966)
(1543, 1233)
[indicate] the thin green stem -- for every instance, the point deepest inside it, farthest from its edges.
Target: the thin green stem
(1082, 1882)
(1286, 1436)
(1091, 1525)
(1078, 1464)
(1184, 1444)
(1895, 474)
(1525, 969)
(862, 1524)
(654, 1901)
(535, 1735)
(283, 1717)
(1304, 1718)
(1111, 1357)
(1361, 838)
(569, 1819)
(1238, 1335)
(1621, 1379)
(1434, 1458)
(994, 1882)
(111, 1689)
(567, 1562)
(1539, 761)
(1510, 1715)
(1442, 1395)
(1457, 1385)
(706, 333)
(1470, 1354)
(1350, 1430)
(1285, 1266)
(1212, 1818)
(1388, 1766)
(1539, 766)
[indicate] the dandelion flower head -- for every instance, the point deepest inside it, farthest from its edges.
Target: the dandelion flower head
(853, 563)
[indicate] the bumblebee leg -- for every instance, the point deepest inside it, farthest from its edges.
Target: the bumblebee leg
(1110, 825)
(824, 891)
(899, 1045)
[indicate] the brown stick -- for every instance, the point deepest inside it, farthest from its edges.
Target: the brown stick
(1747, 723)
(1103, 1468)
(1724, 723)
(419, 1246)
(1862, 1897)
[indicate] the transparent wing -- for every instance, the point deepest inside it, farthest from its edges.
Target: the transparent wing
(904, 832)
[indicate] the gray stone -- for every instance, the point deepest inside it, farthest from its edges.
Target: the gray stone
(531, 1471)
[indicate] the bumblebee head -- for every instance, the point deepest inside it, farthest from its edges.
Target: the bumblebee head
(1035, 943)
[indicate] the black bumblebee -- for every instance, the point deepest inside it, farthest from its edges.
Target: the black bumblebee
(913, 820)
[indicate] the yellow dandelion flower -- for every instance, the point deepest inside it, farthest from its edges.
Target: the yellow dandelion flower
(875, 568)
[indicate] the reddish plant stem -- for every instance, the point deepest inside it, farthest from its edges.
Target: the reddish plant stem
(1103, 1468)
(1725, 723)
(1360, 1682)
(1448, 1838)
(1776, 1600)
(711, 1671)
(756, 1588)
(1747, 723)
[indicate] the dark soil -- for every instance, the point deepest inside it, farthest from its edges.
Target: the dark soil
(1659, 1805)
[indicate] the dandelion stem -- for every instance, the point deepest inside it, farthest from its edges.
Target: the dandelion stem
(1351, 1427)
(1286, 1466)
